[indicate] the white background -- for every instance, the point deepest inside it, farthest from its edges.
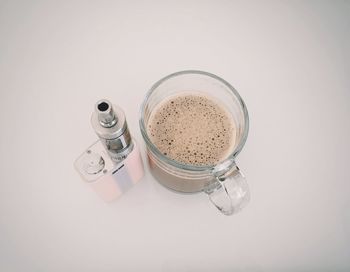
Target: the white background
(290, 62)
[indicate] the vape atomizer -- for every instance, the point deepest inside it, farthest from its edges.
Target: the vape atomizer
(113, 164)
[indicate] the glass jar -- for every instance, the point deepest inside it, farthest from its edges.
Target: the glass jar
(223, 182)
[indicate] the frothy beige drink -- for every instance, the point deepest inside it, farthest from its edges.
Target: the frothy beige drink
(193, 129)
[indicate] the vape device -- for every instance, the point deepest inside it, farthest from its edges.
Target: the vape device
(113, 164)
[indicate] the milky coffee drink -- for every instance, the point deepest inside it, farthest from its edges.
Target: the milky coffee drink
(192, 128)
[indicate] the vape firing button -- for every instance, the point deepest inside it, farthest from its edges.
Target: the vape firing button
(93, 163)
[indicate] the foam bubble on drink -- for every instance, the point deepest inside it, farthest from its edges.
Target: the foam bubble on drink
(193, 129)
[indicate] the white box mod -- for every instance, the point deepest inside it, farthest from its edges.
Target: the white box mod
(113, 164)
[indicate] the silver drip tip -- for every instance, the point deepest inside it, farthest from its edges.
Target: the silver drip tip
(105, 113)
(110, 125)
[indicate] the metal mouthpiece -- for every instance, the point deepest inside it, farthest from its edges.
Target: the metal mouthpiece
(106, 114)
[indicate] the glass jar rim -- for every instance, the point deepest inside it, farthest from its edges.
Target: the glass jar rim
(177, 164)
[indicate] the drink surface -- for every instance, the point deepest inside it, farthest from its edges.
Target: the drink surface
(192, 128)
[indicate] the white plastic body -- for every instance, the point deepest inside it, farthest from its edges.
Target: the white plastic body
(115, 178)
